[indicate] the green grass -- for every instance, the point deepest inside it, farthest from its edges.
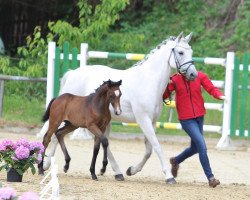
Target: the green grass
(23, 109)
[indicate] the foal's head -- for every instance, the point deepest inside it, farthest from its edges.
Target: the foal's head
(114, 94)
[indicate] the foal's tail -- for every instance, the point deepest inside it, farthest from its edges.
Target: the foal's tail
(46, 114)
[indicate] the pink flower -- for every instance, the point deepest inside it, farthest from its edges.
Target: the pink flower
(7, 193)
(22, 153)
(23, 142)
(29, 196)
(37, 147)
(7, 144)
(2, 147)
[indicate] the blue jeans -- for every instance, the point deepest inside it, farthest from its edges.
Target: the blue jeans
(194, 128)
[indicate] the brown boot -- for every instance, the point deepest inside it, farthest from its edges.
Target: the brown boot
(175, 166)
(213, 182)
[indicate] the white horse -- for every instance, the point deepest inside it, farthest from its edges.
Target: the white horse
(142, 90)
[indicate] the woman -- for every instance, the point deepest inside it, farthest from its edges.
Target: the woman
(191, 111)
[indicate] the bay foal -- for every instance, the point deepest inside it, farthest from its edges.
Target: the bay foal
(91, 112)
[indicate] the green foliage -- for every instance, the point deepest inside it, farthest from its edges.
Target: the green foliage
(29, 90)
(33, 57)
(241, 37)
(94, 23)
(31, 60)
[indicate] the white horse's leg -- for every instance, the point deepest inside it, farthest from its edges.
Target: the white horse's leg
(138, 167)
(52, 147)
(148, 152)
(118, 174)
(148, 129)
(53, 144)
(47, 159)
(81, 133)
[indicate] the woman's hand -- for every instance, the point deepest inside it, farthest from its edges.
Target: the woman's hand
(223, 98)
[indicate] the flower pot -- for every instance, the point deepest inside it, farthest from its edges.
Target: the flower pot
(13, 176)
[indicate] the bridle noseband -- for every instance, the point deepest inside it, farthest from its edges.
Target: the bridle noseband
(178, 65)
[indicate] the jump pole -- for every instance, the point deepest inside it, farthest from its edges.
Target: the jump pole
(50, 72)
(225, 140)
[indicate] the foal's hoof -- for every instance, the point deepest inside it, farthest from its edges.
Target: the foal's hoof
(41, 172)
(66, 168)
(128, 172)
(171, 181)
(102, 171)
(119, 177)
(94, 177)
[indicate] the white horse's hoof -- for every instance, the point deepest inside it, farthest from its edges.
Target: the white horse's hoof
(128, 172)
(119, 177)
(171, 181)
(46, 165)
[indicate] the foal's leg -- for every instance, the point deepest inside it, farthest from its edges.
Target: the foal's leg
(99, 136)
(60, 133)
(105, 159)
(93, 162)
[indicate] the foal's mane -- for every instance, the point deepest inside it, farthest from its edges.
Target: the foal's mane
(111, 83)
(91, 95)
(164, 42)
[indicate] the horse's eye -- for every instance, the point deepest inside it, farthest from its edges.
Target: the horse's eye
(181, 53)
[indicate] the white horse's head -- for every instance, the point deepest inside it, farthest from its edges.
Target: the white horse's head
(181, 56)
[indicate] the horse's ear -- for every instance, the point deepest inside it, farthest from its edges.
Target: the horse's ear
(119, 82)
(178, 39)
(109, 83)
(188, 37)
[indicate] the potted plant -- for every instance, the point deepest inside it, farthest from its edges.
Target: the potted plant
(17, 157)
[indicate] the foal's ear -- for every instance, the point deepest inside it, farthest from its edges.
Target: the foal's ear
(119, 82)
(109, 83)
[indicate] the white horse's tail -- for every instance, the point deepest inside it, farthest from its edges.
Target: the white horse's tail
(63, 80)
(46, 124)
(43, 130)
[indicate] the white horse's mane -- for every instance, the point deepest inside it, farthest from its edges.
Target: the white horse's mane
(164, 42)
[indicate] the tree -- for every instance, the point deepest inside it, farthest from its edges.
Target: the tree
(94, 23)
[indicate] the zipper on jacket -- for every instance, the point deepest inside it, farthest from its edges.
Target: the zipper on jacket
(190, 95)
(185, 83)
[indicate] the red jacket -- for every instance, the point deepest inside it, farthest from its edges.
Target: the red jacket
(189, 100)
